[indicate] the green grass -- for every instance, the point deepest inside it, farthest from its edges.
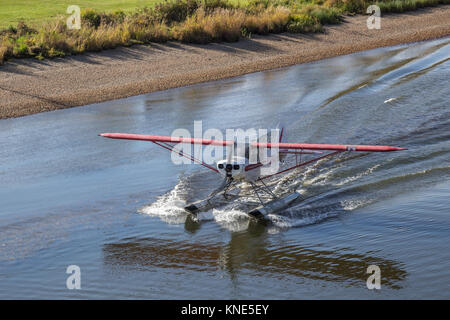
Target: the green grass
(33, 12)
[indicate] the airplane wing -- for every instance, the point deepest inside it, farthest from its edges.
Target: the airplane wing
(279, 145)
(165, 142)
(333, 147)
(166, 139)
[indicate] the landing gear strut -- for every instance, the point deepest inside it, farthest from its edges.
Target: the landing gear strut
(263, 189)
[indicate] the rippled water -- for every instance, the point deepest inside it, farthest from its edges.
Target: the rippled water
(113, 207)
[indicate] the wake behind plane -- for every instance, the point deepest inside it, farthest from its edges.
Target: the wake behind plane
(238, 168)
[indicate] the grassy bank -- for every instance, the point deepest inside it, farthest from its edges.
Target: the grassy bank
(192, 21)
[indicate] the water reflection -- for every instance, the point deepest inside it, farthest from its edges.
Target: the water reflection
(192, 224)
(148, 253)
(251, 252)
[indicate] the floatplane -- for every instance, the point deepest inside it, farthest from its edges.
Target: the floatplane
(235, 168)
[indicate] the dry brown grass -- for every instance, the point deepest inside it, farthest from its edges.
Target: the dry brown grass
(271, 20)
(6, 49)
(229, 24)
(3, 50)
(220, 25)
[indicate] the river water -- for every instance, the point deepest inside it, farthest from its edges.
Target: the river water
(112, 207)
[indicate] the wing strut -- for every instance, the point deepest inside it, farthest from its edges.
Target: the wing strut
(302, 164)
(181, 153)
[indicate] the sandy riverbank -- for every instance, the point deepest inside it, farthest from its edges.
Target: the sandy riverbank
(30, 86)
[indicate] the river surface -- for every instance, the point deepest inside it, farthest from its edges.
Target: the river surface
(112, 207)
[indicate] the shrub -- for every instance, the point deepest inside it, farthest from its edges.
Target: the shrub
(350, 6)
(324, 15)
(153, 33)
(12, 29)
(258, 5)
(220, 25)
(303, 23)
(6, 50)
(2, 54)
(21, 47)
(273, 19)
(175, 10)
(212, 5)
(119, 16)
(91, 18)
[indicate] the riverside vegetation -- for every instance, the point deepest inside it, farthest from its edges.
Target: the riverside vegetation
(189, 21)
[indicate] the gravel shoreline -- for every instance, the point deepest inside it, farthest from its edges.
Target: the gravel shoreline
(30, 86)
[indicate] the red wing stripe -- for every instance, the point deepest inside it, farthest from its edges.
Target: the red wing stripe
(299, 152)
(335, 147)
(144, 137)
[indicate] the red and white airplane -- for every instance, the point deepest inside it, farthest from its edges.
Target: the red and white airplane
(235, 168)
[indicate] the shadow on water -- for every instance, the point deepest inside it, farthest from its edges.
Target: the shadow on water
(251, 252)
(254, 252)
